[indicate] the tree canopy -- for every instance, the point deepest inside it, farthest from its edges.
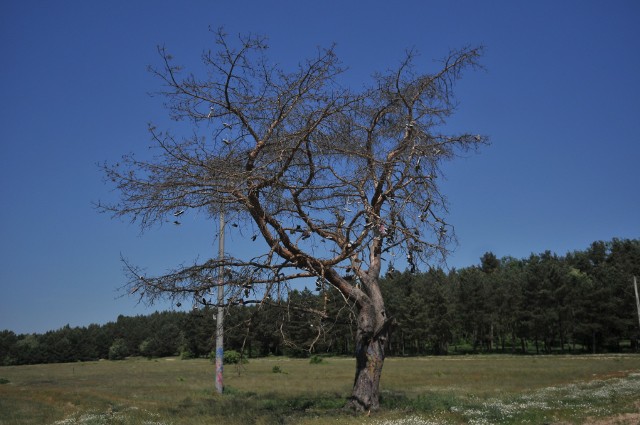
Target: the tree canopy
(328, 177)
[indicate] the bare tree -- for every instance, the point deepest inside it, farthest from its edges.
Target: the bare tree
(333, 180)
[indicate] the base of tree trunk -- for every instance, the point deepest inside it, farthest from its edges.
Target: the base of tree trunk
(365, 396)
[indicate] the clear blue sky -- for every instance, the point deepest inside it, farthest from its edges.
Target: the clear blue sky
(559, 99)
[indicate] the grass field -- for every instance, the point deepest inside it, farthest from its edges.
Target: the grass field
(415, 391)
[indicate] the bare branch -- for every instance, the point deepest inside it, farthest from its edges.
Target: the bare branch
(331, 180)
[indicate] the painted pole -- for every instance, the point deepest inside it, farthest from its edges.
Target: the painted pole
(220, 313)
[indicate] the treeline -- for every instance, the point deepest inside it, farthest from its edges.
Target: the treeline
(581, 302)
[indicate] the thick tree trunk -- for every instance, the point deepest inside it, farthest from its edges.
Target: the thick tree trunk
(371, 338)
(369, 361)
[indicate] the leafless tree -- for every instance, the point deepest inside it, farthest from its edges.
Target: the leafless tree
(332, 179)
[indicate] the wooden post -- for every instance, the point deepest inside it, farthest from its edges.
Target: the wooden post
(220, 313)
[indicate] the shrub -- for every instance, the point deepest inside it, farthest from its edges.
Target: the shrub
(147, 347)
(230, 357)
(186, 354)
(315, 359)
(276, 369)
(118, 350)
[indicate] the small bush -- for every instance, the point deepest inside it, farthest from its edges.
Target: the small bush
(276, 369)
(315, 359)
(118, 350)
(4, 381)
(186, 354)
(233, 357)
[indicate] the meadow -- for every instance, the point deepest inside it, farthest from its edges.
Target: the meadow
(600, 389)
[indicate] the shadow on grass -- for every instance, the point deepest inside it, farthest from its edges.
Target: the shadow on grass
(426, 402)
(237, 407)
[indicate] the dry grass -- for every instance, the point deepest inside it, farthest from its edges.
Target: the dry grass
(421, 391)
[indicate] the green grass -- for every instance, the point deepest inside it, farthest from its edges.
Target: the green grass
(415, 391)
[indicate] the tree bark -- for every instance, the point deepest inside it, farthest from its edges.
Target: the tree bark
(366, 387)
(371, 339)
(370, 357)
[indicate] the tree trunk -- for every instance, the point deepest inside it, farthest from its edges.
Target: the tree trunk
(562, 336)
(371, 338)
(366, 387)
(491, 337)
